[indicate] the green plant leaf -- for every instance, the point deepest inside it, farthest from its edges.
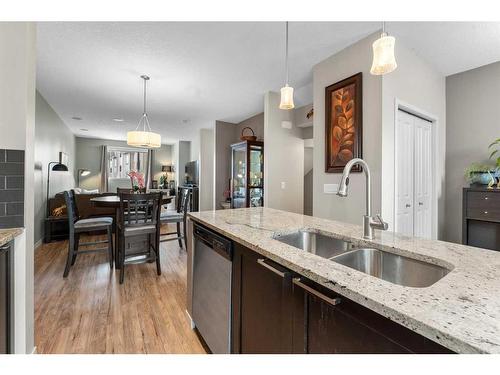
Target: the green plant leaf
(495, 142)
(493, 153)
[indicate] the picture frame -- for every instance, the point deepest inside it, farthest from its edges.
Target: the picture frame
(343, 123)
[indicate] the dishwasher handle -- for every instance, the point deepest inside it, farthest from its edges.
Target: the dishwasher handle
(213, 240)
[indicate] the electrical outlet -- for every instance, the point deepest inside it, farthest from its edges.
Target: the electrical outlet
(330, 188)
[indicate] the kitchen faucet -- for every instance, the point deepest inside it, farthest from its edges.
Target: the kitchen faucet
(369, 222)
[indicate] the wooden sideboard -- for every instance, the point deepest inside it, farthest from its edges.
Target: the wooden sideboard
(481, 217)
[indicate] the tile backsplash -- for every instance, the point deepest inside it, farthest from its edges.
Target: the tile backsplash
(11, 188)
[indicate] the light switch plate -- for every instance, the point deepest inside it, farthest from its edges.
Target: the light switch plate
(330, 188)
(283, 184)
(286, 124)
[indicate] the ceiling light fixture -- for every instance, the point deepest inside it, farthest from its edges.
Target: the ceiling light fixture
(118, 119)
(144, 137)
(383, 54)
(286, 91)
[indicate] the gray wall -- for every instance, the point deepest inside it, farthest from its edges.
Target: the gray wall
(283, 158)
(88, 156)
(225, 135)
(256, 123)
(51, 136)
(162, 156)
(182, 156)
(207, 152)
(473, 117)
(355, 58)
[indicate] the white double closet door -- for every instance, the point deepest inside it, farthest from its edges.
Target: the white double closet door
(413, 176)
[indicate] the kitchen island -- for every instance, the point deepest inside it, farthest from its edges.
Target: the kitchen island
(461, 311)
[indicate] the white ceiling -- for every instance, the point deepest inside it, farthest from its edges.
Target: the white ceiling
(201, 72)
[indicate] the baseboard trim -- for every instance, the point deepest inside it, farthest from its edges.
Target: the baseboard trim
(34, 351)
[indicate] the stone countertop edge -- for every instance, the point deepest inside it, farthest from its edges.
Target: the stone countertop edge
(7, 235)
(460, 311)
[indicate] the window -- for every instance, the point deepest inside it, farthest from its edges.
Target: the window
(122, 162)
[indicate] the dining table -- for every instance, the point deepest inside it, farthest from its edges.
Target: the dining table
(113, 201)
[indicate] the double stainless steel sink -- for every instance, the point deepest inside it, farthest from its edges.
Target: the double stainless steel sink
(394, 268)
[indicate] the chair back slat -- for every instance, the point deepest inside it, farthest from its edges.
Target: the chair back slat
(139, 209)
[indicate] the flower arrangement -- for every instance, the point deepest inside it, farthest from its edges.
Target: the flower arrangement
(137, 180)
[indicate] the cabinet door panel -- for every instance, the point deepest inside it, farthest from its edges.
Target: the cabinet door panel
(404, 174)
(423, 179)
(264, 297)
(349, 328)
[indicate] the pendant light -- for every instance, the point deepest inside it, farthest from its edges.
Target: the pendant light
(286, 91)
(145, 137)
(383, 54)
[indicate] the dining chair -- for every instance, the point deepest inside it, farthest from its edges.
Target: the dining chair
(78, 226)
(138, 230)
(177, 217)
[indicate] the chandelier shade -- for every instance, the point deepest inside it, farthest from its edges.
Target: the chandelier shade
(287, 98)
(145, 137)
(384, 60)
(139, 138)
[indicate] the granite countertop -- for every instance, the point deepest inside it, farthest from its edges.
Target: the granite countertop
(7, 235)
(461, 311)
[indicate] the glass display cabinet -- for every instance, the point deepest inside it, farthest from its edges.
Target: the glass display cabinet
(247, 174)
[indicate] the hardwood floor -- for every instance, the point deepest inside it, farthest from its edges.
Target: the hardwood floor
(90, 312)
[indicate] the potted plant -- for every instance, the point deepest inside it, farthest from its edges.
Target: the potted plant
(137, 180)
(478, 173)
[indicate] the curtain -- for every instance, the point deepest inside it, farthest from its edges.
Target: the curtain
(148, 178)
(104, 169)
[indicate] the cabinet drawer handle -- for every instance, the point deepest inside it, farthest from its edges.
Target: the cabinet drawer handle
(407, 205)
(263, 263)
(314, 292)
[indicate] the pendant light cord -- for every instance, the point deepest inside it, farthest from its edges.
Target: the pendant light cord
(286, 53)
(144, 119)
(144, 111)
(383, 27)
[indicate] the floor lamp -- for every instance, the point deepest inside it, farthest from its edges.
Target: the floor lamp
(57, 166)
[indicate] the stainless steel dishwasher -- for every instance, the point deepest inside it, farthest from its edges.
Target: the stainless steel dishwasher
(212, 268)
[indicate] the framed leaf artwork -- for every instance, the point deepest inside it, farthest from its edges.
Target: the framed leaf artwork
(344, 123)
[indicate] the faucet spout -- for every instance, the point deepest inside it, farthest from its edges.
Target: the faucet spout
(369, 223)
(344, 181)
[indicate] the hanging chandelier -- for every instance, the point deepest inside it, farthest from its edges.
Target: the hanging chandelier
(286, 91)
(383, 54)
(145, 137)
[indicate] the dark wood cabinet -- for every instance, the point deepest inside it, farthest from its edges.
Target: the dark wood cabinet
(262, 304)
(278, 311)
(247, 174)
(326, 323)
(481, 217)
